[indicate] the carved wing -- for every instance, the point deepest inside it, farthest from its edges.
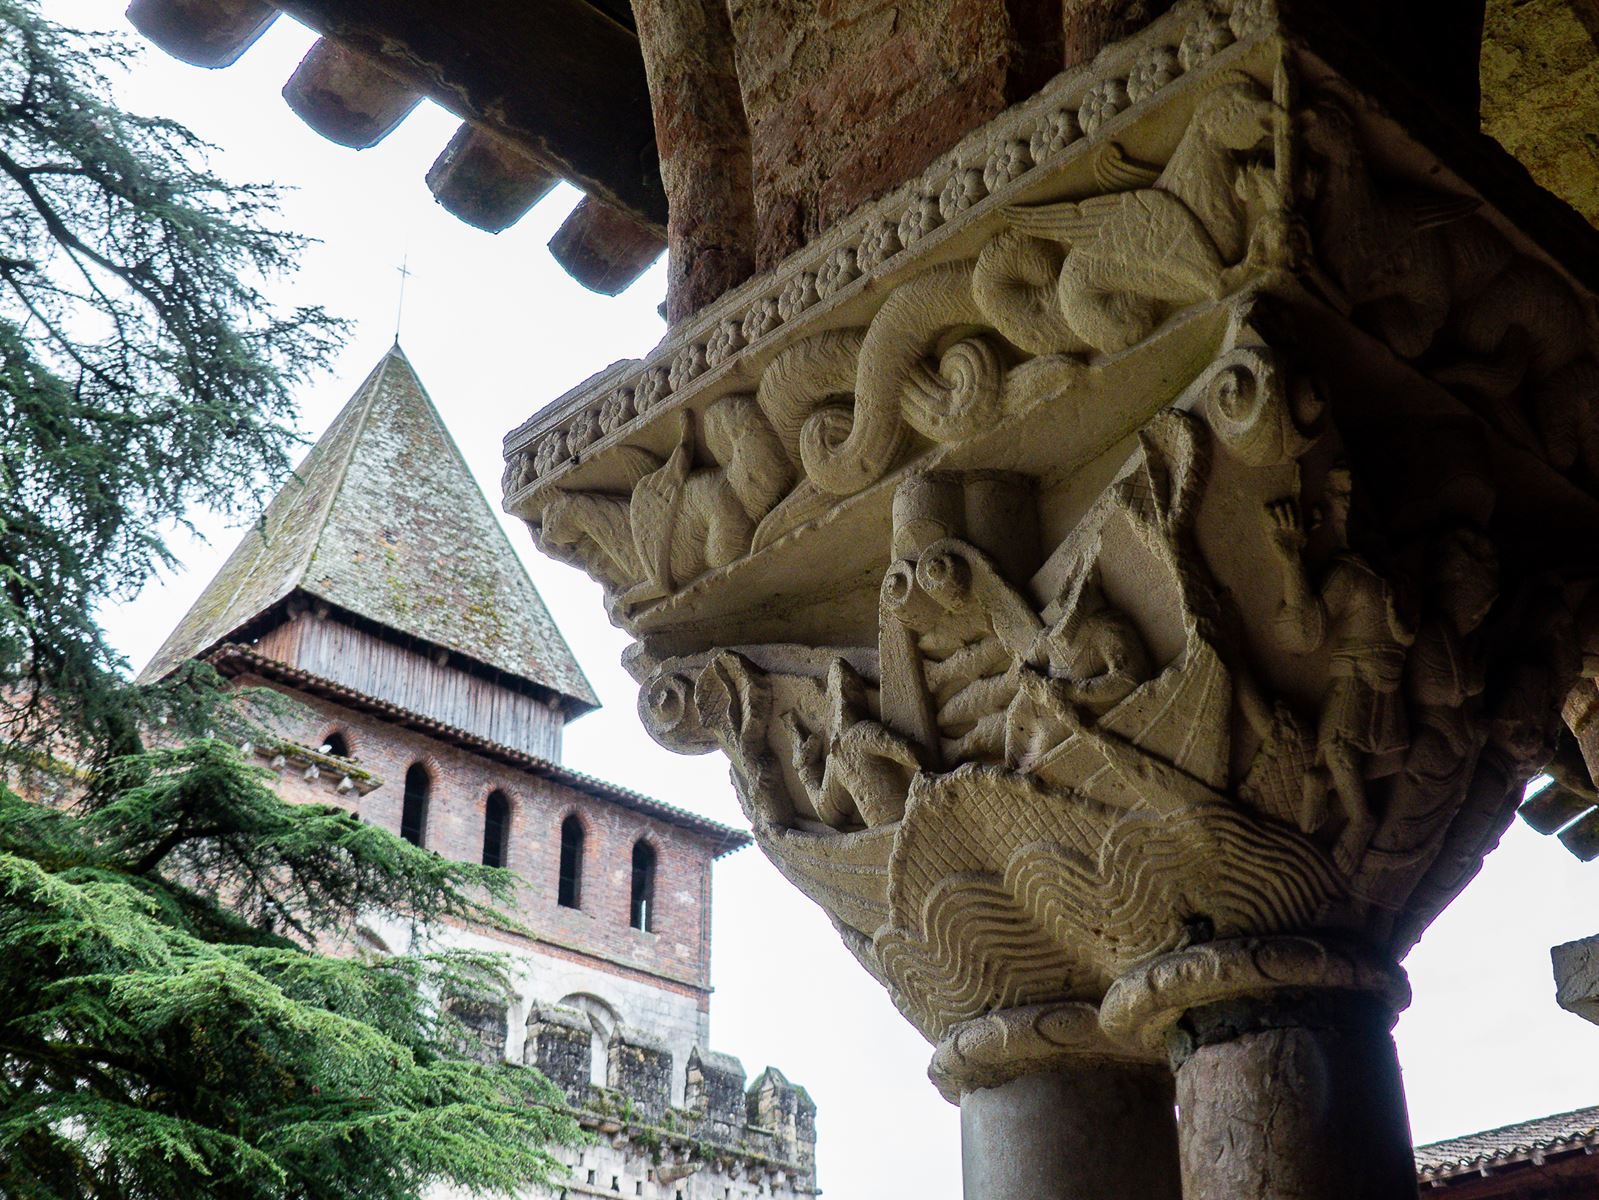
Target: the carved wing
(1070, 221)
(1428, 210)
(1116, 172)
(653, 509)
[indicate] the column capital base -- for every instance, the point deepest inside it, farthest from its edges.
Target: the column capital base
(1145, 1006)
(1002, 1046)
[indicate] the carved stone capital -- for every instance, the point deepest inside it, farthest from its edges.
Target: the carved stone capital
(1145, 1006)
(1160, 526)
(997, 1047)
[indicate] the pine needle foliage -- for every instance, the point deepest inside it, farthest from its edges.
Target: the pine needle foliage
(143, 369)
(169, 1026)
(168, 1029)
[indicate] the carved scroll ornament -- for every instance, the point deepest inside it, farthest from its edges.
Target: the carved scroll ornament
(1144, 567)
(952, 352)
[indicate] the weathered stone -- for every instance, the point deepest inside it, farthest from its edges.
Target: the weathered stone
(704, 146)
(1091, 25)
(845, 101)
(1305, 1111)
(1090, 1133)
(1128, 602)
(1577, 977)
(787, 1110)
(715, 1088)
(558, 1044)
(640, 1067)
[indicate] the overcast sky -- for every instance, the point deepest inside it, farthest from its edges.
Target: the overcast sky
(495, 329)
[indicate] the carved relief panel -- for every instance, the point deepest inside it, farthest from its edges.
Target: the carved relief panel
(1160, 524)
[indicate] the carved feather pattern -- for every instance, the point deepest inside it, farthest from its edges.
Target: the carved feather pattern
(982, 923)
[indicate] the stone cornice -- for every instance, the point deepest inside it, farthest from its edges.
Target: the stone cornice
(1028, 148)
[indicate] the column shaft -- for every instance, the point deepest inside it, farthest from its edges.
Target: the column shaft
(1295, 1114)
(1082, 1133)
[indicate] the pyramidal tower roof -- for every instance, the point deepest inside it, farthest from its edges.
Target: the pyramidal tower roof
(384, 520)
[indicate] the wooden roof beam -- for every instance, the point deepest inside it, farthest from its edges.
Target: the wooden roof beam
(346, 96)
(203, 33)
(603, 248)
(559, 78)
(486, 181)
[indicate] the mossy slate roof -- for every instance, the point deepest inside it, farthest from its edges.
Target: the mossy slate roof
(384, 519)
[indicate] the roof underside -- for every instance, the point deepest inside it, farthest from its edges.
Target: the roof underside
(383, 519)
(546, 90)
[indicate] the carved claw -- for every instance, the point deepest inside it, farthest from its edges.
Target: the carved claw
(1285, 526)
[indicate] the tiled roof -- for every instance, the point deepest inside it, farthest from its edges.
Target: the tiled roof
(233, 659)
(1529, 1141)
(384, 519)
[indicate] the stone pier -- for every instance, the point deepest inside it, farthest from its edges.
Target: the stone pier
(1132, 561)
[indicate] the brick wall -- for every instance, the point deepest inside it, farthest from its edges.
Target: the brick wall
(846, 98)
(676, 952)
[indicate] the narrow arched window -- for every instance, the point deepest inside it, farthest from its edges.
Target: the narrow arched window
(414, 813)
(642, 910)
(570, 887)
(336, 743)
(496, 829)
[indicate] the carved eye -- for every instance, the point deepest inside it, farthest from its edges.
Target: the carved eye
(898, 584)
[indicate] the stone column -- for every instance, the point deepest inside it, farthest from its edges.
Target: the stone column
(1123, 596)
(1288, 1084)
(1052, 1110)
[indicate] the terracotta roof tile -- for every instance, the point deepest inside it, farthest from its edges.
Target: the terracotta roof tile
(1507, 1144)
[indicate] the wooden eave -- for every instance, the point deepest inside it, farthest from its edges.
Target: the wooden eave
(561, 79)
(557, 85)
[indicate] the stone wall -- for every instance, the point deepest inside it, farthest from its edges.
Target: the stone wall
(721, 1141)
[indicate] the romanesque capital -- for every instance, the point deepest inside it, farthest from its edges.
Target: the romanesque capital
(1159, 534)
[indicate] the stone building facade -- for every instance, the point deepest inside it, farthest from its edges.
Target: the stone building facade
(439, 716)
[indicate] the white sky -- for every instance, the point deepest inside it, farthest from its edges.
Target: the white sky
(496, 329)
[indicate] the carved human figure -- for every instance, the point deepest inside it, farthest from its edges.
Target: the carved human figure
(853, 770)
(1354, 613)
(1093, 648)
(1445, 676)
(1535, 661)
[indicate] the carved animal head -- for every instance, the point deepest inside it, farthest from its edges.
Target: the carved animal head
(1237, 113)
(1465, 577)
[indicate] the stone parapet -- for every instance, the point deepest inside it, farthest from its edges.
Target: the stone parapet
(640, 1067)
(770, 1127)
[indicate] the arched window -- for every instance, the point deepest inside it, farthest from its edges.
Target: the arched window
(570, 886)
(641, 913)
(336, 743)
(414, 814)
(496, 829)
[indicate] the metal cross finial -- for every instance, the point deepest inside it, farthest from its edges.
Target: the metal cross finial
(399, 312)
